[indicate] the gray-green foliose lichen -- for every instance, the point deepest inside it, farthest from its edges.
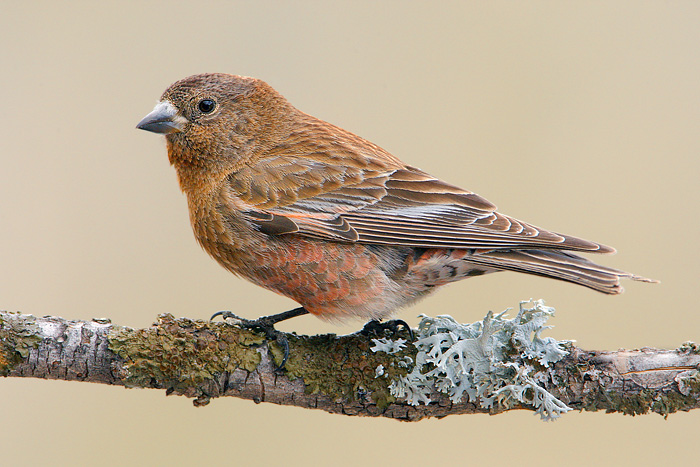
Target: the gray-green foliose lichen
(499, 363)
(17, 336)
(181, 354)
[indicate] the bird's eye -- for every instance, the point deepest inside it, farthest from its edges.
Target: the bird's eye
(206, 106)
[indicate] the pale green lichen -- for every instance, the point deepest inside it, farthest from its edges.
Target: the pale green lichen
(183, 355)
(18, 334)
(498, 362)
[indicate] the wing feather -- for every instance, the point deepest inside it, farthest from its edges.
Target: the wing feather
(347, 189)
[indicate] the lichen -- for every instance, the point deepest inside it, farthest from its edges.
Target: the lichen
(183, 355)
(663, 401)
(498, 362)
(18, 334)
(689, 347)
(388, 346)
(689, 382)
(344, 368)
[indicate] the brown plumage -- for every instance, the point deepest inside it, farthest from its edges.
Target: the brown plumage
(318, 214)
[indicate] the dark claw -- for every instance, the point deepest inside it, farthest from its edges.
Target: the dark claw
(266, 324)
(225, 314)
(378, 329)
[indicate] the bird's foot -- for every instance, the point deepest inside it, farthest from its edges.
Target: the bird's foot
(377, 328)
(266, 325)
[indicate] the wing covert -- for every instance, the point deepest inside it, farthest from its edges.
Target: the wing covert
(343, 188)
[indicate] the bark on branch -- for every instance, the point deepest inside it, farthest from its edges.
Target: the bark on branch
(338, 374)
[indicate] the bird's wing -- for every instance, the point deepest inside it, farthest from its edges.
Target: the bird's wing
(373, 198)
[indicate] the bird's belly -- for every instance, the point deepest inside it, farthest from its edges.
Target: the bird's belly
(334, 281)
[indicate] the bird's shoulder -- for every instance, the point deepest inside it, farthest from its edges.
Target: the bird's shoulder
(314, 158)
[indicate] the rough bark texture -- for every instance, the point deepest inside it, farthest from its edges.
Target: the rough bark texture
(204, 360)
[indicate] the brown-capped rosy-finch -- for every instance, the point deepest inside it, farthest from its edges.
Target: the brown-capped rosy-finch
(315, 213)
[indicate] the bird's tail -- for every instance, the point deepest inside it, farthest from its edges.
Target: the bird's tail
(556, 264)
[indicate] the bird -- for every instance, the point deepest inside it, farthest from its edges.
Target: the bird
(313, 212)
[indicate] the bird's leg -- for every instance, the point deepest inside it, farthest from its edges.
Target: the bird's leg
(264, 321)
(267, 325)
(378, 328)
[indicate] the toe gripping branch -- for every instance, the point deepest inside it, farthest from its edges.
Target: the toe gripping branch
(266, 324)
(376, 328)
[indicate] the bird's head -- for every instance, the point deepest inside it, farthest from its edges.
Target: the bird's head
(218, 122)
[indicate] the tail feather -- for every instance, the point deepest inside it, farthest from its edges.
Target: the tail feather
(557, 264)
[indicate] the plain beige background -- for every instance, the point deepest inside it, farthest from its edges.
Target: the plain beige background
(582, 117)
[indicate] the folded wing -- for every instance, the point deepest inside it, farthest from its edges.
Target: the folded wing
(393, 206)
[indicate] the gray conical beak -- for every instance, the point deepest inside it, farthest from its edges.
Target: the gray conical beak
(164, 119)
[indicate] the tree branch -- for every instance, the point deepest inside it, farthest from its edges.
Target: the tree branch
(338, 374)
